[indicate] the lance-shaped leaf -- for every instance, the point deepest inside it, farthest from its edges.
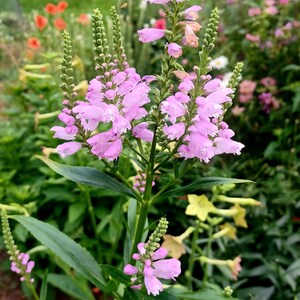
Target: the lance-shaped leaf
(65, 248)
(88, 176)
(200, 184)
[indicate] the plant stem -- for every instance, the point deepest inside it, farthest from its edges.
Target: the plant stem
(92, 215)
(208, 254)
(34, 293)
(191, 259)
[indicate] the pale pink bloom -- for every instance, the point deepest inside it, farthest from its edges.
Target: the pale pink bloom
(237, 110)
(270, 2)
(190, 39)
(245, 98)
(181, 74)
(212, 85)
(142, 132)
(252, 38)
(278, 33)
(271, 10)
(149, 78)
(204, 126)
(284, 1)
(268, 81)
(235, 267)
(228, 146)
(192, 12)
(254, 11)
(182, 97)
(186, 85)
(148, 35)
(173, 108)
(119, 78)
(174, 50)
(68, 148)
(201, 147)
(60, 133)
(247, 86)
(220, 96)
(174, 132)
(67, 119)
(195, 26)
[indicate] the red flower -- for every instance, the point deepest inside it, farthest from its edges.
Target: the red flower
(40, 22)
(61, 6)
(33, 43)
(83, 19)
(60, 24)
(51, 9)
(160, 24)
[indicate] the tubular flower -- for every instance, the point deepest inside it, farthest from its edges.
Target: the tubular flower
(152, 269)
(148, 35)
(23, 266)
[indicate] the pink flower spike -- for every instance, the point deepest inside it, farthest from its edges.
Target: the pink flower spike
(192, 12)
(68, 148)
(174, 50)
(148, 35)
(130, 270)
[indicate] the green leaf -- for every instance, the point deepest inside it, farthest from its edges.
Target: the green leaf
(88, 176)
(199, 295)
(43, 293)
(116, 274)
(203, 183)
(70, 286)
(65, 248)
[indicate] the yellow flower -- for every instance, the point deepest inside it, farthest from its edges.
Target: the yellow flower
(227, 230)
(199, 206)
(242, 201)
(174, 245)
(239, 218)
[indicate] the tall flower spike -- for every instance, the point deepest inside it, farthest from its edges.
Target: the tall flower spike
(117, 38)
(20, 262)
(100, 41)
(67, 76)
(155, 237)
(208, 42)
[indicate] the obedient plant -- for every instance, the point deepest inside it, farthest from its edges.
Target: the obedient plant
(175, 118)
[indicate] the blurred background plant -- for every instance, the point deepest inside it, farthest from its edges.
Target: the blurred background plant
(265, 116)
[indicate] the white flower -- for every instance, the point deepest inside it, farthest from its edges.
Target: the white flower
(219, 62)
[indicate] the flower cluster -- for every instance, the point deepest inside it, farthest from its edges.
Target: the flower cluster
(23, 266)
(140, 182)
(115, 99)
(204, 136)
(152, 268)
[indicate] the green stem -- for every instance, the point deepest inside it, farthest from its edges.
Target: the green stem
(208, 254)
(92, 216)
(142, 217)
(191, 259)
(34, 293)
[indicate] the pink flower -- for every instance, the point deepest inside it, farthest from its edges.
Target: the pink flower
(142, 132)
(268, 81)
(68, 148)
(174, 50)
(192, 13)
(160, 24)
(252, 38)
(174, 132)
(271, 10)
(153, 268)
(247, 86)
(284, 2)
(148, 35)
(190, 39)
(254, 11)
